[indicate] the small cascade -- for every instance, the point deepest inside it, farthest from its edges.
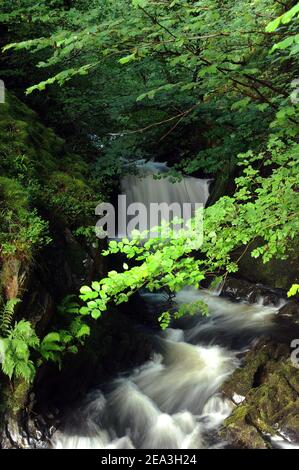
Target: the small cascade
(152, 186)
(173, 401)
(145, 188)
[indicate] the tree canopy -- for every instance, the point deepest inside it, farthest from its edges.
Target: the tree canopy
(209, 85)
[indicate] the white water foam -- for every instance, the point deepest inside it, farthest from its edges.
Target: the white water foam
(172, 401)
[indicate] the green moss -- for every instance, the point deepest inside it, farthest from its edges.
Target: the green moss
(242, 380)
(12, 195)
(270, 383)
(39, 176)
(71, 198)
(14, 396)
(239, 413)
(21, 229)
(238, 429)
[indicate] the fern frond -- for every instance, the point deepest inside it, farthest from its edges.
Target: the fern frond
(6, 316)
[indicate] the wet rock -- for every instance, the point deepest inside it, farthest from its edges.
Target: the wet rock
(270, 384)
(279, 274)
(290, 311)
(240, 432)
(240, 289)
(59, 270)
(20, 427)
(287, 322)
(116, 344)
(25, 432)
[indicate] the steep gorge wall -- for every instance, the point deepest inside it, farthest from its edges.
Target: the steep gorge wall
(47, 251)
(45, 196)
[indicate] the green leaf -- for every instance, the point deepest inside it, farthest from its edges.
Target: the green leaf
(51, 337)
(128, 58)
(84, 310)
(83, 331)
(96, 313)
(294, 289)
(85, 289)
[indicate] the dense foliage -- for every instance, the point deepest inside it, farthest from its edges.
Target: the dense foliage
(160, 71)
(209, 86)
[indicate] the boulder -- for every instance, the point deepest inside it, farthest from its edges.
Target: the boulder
(240, 289)
(277, 273)
(268, 381)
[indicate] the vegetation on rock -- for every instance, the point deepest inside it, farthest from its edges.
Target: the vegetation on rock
(208, 86)
(269, 385)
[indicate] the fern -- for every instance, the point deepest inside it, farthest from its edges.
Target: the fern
(16, 351)
(6, 316)
(18, 341)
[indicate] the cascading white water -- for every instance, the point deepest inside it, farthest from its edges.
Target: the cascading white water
(144, 188)
(151, 187)
(173, 401)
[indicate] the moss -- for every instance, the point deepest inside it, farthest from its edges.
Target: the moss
(270, 383)
(39, 177)
(14, 397)
(290, 424)
(239, 413)
(274, 400)
(21, 229)
(239, 430)
(71, 198)
(12, 195)
(242, 380)
(22, 132)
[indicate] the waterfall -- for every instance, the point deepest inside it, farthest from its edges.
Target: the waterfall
(151, 186)
(174, 400)
(144, 188)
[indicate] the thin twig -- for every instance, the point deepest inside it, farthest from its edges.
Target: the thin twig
(154, 124)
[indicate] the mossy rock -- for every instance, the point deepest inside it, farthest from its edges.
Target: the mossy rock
(41, 182)
(46, 193)
(269, 383)
(13, 396)
(239, 430)
(244, 379)
(277, 273)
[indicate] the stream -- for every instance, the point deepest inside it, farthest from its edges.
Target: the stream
(174, 400)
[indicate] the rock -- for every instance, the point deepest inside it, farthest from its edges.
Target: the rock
(223, 183)
(40, 274)
(279, 274)
(270, 384)
(240, 289)
(290, 311)
(287, 322)
(240, 432)
(58, 271)
(24, 432)
(116, 344)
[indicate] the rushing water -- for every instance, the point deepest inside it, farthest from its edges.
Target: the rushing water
(146, 189)
(151, 186)
(173, 401)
